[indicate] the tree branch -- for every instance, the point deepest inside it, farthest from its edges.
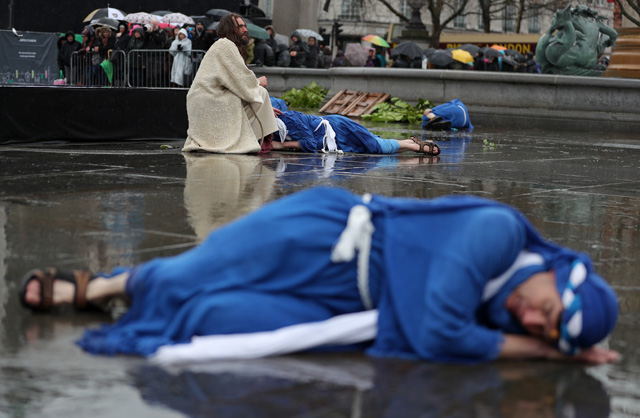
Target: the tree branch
(393, 10)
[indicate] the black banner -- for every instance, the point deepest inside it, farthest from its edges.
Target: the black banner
(28, 58)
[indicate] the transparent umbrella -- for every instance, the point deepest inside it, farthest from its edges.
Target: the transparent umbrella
(356, 55)
(142, 18)
(178, 19)
(308, 32)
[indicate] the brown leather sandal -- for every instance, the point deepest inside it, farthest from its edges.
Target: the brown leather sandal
(433, 148)
(46, 277)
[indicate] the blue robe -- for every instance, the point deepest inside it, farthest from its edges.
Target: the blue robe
(455, 112)
(429, 263)
(278, 104)
(350, 135)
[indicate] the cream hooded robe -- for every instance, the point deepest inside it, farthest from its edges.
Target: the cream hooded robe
(228, 111)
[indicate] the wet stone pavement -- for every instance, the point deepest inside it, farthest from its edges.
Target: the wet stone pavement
(109, 204)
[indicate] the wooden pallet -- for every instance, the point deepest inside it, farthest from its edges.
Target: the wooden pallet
(353, 103)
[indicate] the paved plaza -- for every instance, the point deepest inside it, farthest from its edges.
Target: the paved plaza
(102, 205)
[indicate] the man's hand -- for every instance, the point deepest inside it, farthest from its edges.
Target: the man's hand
(598, 355)
(277, 112)
(293, 53)
(262, 81)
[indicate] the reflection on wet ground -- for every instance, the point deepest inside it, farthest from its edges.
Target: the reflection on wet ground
(110, 204)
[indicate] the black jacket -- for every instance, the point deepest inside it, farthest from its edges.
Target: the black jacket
(66, 51)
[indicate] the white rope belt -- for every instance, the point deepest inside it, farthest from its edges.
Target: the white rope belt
(464, 113)
(329, 143)
(357, 237)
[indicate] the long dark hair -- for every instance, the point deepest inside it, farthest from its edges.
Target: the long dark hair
(228, 28)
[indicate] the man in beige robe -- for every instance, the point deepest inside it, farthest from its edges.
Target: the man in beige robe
(229, 109)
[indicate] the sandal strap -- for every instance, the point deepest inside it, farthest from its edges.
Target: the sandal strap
(46, 278)
(82, 278)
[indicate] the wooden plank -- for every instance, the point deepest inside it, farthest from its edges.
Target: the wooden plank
(339, 101)
(364, 106)
(353, 103)
(331, 102)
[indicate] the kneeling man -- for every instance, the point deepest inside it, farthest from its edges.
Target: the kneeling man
(229, 109)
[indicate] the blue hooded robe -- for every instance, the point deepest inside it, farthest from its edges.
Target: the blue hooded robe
(350, 135)
(455, 112)
(430, 261)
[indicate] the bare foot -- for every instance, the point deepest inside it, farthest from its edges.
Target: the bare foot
(63, 292)
(411, 145)
(93, 289)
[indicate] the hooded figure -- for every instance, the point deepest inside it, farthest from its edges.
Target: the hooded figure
(272, 42)
(181, 51)
(136, 59)
(283, 59)
(333, 253)
(67, 49)
(340, 60)
(299, 50)
(314, 53)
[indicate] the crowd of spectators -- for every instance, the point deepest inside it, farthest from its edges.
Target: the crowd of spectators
(186, 46)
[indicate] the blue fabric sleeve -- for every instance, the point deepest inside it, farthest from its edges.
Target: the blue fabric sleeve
(388, 146)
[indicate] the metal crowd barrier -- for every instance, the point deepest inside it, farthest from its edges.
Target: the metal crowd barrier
(137, 68)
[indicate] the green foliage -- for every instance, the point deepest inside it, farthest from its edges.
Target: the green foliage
(397, 110)
(308, 97)
(488, 145)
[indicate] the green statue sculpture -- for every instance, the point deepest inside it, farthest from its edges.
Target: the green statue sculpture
(573, 42)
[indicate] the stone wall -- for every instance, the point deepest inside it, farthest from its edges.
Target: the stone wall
(530, 100)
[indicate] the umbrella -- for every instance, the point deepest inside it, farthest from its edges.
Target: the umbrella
(282, 39)
(178, 19)
(462, 56)
(142, 18)
(514, 54)
(356, 55)
(206, 20)
(308, 32)
(441, 57)
(106, 21)
(161, 12)
(499, 47)
(213, 26)
(376, 40)
(105, 12)
(427, 52)
(470, 48)
(508, 60)
(257, 32)
(217, 14)
(490, 52)
(408, 48)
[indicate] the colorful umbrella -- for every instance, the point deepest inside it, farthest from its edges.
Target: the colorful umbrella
(308, 32)
(105, 12)
(498, 47)
(257, 32)
(178, 19)
(462, 56)
(376, 40)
